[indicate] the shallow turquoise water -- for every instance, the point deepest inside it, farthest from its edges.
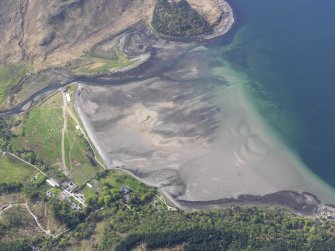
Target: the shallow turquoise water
(287, 50)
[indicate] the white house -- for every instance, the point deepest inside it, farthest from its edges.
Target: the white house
(68, 97)
(52, 182)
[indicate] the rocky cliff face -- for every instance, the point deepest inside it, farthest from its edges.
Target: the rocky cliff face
(49, 31)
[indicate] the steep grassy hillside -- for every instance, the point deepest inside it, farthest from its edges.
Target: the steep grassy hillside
(54, 32)
(58, 31)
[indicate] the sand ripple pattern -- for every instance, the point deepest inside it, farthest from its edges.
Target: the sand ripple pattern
(196, 136)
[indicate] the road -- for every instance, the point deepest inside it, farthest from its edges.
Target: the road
(71, 194)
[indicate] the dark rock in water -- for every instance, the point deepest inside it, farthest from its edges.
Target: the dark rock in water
(304, 203)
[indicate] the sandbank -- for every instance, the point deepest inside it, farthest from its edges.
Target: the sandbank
(198, 140)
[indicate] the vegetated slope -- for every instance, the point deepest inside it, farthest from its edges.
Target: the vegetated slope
(178, 19)
(153, 227)
(58, 31)
(47, 33)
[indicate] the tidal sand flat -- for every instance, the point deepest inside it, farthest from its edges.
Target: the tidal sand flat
(193, 131)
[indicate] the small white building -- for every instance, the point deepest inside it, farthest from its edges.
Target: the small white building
(68, 97)
(89, 185)
(52, 182)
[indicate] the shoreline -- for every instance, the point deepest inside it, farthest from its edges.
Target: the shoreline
(271, 177)
(297, 200)
(223, 28)
(305, 181)
(303, 203)
(116, 75)
(225, 24)
(242, 199)
(88, 127)
(321, 189)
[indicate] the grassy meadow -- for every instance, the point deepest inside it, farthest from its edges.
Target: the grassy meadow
(78, 155)
(42, 133)
(118, 179)
(90, 65)
(14, 170)
(42, 130)
(115, 180)
(10, 74)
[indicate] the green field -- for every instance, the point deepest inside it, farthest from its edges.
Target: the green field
(116, 180)
(88, 192)
(119, 179)
(42, 133)
(97, 65)
(14, 170)
(78, 154)
(42, 130)
(9, 75)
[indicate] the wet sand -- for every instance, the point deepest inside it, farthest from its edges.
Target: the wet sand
(194, 134)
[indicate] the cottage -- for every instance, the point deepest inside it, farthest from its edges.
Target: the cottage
(125, 190)
(68, 97)
(52, 182)
(51, 194)
(69, 185)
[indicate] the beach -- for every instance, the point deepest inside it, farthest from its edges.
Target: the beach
(199, 126)
(197, 136)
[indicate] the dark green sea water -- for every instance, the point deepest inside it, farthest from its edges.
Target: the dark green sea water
(287, 50)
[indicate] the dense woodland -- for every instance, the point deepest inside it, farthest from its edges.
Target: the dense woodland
(178, 19)
(230, 229)
(5, 134)
(15, 245)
